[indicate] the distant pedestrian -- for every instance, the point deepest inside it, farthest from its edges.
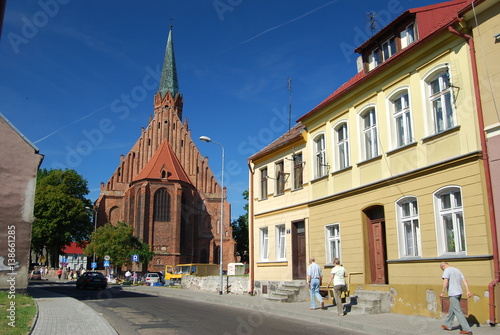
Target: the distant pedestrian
(314, 279)
(134, 276)
(452, 281)
(128, 274)
(338, 277)
(59, 273)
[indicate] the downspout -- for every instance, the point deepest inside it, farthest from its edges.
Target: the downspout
(489, 188)
(250, 230)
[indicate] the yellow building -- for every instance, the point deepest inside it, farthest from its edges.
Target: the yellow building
(394, 172)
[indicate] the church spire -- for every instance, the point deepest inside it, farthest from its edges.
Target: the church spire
(168, 80)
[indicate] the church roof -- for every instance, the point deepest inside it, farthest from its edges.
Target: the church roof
(164, 160)
(168, 80)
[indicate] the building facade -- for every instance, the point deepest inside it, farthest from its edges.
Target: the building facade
(165, 189)
(18, 170)
(397, 180)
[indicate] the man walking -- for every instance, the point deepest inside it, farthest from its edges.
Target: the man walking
(314, 278)
(452, 281)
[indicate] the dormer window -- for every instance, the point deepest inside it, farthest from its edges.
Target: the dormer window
(408, 35)
(373, 59)
(388, 48)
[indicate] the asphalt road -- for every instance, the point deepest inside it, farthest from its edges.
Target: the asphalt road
(132, 313)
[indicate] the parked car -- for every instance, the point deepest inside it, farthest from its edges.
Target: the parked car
(151, 278)
(36, 275)
(92, 279)
(160, 276)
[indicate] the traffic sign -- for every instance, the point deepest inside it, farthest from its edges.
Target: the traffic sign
(64, 260)
(107, 258)
(135, 258)
(93, 265)
(106, 264)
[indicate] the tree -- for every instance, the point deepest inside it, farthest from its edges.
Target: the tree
(61, 216)
(240, 232)
(119, 243)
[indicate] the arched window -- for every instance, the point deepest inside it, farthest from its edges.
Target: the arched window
(450, 220)
(408, 227)
(162, 205)
(319, 150)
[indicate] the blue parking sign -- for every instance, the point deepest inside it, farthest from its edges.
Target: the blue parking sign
(93, 265)
(135, 258)
(106, 264)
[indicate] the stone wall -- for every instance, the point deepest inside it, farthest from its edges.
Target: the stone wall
(237, 284)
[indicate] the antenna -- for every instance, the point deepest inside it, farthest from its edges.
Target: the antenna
(289, 103)
(372, 16)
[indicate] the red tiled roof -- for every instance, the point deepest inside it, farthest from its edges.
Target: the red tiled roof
(294, 133)
(164, 159)
(73, 248)
(429, 20)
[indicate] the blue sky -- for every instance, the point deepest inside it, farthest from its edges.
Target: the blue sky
(77, 78)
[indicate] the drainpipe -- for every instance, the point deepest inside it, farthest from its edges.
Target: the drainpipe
(484, 150)
(250, 230)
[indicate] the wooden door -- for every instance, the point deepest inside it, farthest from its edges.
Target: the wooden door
(299, 262)
(376, 236)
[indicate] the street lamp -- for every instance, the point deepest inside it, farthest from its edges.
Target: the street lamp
(207, 139)
(94, 214)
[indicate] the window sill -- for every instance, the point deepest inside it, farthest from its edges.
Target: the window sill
(269, 264)
(402, 148)
(441, 134)
(349, 168)
(379, 157)
(320, 178)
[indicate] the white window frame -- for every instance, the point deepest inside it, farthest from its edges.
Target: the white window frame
(319, 151)
(332, 240)
(373, 59)
(401, 118)
(280, 242)
(264, 244)
(369, 133)
(408, 35)
(263, 182)
(341, 140)
(280, 177)
(410, 244)
(388, 48)
(440, 102)
(298, 171)
(449, 212)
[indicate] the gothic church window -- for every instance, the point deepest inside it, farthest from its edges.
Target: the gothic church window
(162, 206)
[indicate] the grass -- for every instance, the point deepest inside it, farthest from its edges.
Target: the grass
(20, 317)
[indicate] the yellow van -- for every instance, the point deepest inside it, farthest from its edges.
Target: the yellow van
(194, 269)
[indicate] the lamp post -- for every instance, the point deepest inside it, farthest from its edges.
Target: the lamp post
(208, 140)
(94, 214)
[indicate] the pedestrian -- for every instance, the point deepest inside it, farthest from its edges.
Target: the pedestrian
(59, 273)
(127, 275)
(338, 277)
(452, 281)
(314, 279)
(134, 276)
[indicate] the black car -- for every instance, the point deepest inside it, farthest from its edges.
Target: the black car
(92, 279)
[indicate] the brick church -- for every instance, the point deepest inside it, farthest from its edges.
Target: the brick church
(165, 189)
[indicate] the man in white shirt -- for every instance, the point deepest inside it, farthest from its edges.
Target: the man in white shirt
(452, 281)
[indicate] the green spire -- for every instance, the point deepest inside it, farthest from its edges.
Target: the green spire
(168, 80)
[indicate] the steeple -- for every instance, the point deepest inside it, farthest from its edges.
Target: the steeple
(168, 80)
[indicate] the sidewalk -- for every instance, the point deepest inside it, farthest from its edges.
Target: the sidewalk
(59, 314)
